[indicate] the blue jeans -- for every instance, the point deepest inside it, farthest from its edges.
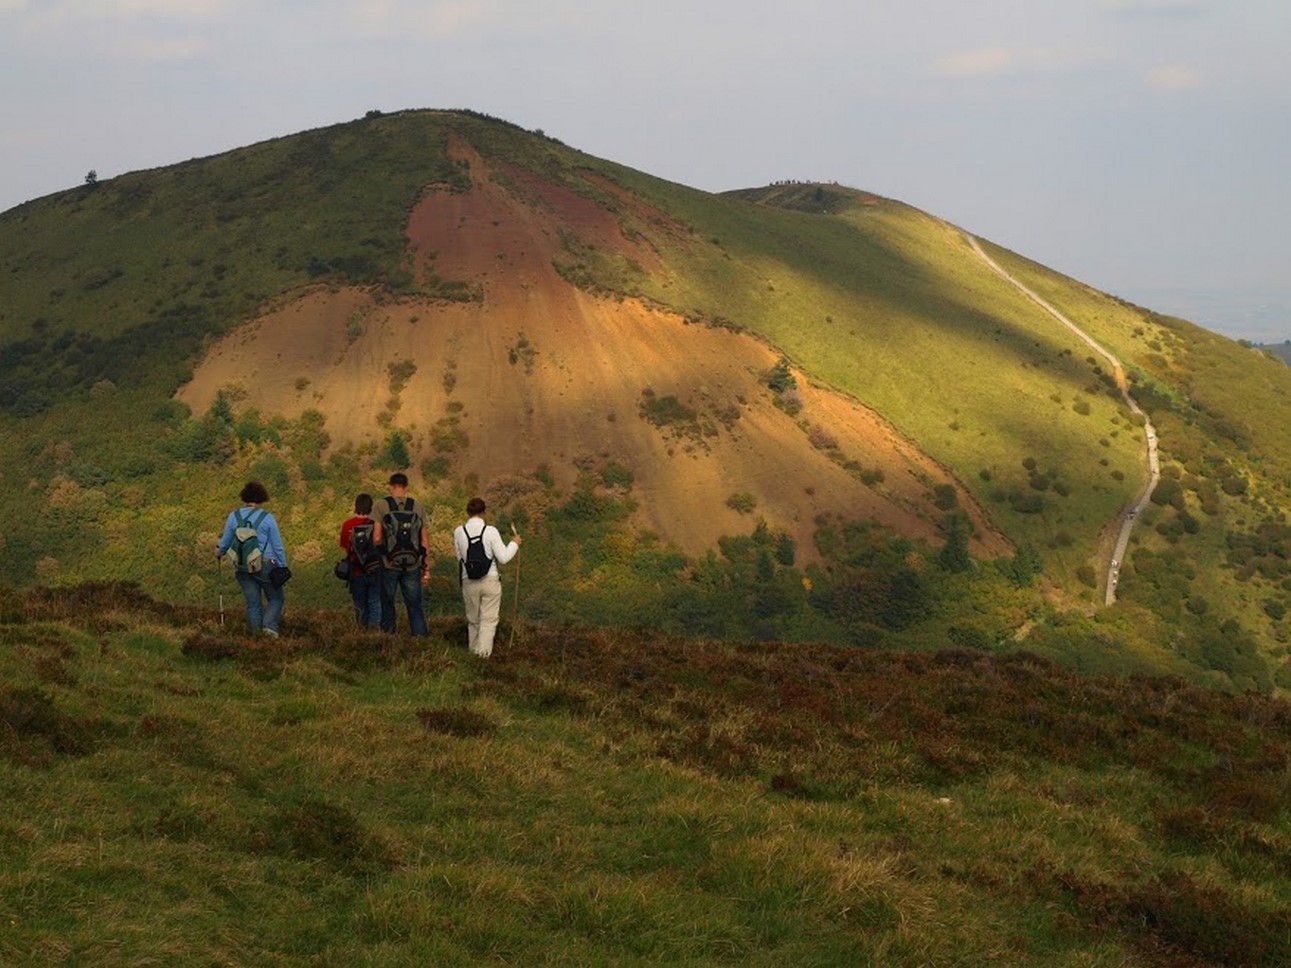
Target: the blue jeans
(261, 615)
(366, 590)
(409, 585)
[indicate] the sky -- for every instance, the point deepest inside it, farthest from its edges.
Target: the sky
(1141, 146)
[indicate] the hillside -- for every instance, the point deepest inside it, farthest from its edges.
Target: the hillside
(174, 792)
(536, 371)
(800, 411)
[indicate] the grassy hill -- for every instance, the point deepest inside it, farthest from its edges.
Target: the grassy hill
(174, 792)
(796, 412)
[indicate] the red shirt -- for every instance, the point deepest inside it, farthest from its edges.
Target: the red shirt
(347, 533)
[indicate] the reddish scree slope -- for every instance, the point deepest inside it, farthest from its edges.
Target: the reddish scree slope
(546, 374)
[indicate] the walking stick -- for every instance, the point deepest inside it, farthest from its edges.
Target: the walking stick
(515, 598)
(219, 565)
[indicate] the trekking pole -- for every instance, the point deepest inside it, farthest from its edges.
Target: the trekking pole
(219, 566)
(515, 598)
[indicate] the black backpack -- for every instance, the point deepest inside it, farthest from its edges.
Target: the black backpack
(402, 535)
(477, 561)
(363, 549)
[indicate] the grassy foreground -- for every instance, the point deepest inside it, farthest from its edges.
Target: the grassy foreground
(175, 793)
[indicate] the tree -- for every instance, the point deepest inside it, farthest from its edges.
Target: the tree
(396, 452)
(91, 178)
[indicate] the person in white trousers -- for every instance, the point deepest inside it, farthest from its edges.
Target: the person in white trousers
(482, 595)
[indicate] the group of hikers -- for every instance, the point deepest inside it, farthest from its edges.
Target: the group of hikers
(385, 553)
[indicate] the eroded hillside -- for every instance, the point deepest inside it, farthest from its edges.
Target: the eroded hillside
(526, 370)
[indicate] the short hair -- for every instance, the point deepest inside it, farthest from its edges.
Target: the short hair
(254, 493)
(363, 504)
(398, 479)
(475, 506)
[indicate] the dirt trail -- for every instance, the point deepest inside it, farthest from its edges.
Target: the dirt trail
(1123, 524)
(540, 373)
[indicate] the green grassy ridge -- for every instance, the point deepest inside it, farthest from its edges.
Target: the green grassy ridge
(175, 790)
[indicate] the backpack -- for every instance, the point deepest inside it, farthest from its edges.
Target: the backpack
(402, 536)
(363, 549)
(248, 556)
(477, 561)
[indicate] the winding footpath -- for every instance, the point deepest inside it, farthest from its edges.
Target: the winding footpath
(1118, 373)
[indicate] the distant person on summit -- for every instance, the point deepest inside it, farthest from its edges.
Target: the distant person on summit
(252, 533)
(401, 533)
(480, 550)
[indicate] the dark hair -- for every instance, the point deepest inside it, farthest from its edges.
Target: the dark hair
(398, 479)
(475, 506)
(363, 504)
(254, 493)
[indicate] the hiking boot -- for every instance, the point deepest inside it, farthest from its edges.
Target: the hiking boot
(269, 632)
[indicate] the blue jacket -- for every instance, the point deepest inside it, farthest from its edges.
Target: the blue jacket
(266, 531)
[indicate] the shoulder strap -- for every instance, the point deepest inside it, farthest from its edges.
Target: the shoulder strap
(263, 514)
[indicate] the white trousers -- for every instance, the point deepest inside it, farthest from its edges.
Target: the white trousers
(483, 598)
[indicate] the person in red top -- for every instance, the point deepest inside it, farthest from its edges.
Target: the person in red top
(365, 563)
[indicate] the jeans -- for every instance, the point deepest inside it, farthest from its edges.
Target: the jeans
(409, 585)
(266, 614)
(366, 590)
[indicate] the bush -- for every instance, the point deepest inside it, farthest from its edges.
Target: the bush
(742, 501)
(780, 378)
(615, 474)
(666, 410)
(395, 456)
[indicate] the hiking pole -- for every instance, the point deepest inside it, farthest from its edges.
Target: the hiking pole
(219, 565)
(515, 598)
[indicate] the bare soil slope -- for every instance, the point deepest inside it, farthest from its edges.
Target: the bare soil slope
(538, 372)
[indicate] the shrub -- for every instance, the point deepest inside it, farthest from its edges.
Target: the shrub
(780, 378)
(944, 496)
(395, 456)
(666, 410)
(400, 373)
(615, 474)
(821, 439)
(435, 468)
(742, 501)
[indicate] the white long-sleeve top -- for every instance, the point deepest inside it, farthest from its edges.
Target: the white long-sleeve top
(494, 547)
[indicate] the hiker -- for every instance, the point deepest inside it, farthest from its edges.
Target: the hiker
(480, 550)
(252, 533)
(401, 534)
(358, 538)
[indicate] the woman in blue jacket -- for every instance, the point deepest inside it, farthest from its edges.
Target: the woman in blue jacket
(264, 599)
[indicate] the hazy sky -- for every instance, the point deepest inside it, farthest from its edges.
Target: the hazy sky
(1142, 146)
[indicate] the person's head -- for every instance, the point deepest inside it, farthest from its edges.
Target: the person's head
(398, 483)
(363, 504)
(475, 507)
(254, 493)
